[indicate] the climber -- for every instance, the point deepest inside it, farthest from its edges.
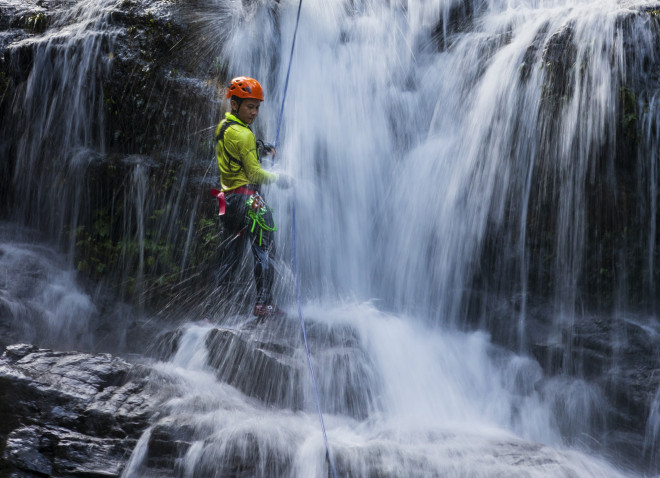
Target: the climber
(242, 205)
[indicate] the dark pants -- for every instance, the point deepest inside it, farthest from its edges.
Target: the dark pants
(236, 221)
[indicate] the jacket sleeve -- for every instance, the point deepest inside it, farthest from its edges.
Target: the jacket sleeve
(243, 143)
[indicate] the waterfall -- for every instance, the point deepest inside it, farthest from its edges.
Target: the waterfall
(448, 173)
(415, 153)
(39, 299)
(476, 210)
(653, 429)
(445, 404)
(60, 132)
(428, 152)
(648, 182)
(76, 99)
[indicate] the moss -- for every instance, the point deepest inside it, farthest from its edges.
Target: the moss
(152, 257)
(629, 112)
(37, 23)
(100, 256)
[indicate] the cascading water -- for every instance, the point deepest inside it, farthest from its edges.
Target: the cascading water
(70, 126)
(419, 144)
(451, 159)
(39, 301)
(60, 131)
(436, 404)
(408, 158)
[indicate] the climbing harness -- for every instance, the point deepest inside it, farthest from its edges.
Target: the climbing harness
(295, 263)
(222, 207)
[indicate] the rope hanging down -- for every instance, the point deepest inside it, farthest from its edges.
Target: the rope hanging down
(288, 73)
(295, 262)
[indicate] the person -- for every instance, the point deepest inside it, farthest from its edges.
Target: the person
(241, 176)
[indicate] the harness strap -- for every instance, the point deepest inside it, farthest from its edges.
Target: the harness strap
(222, 206)
(242, 190)
(221, 137)
(221, 200)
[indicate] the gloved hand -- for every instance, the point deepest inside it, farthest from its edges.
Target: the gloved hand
(264, 149)
(284, 181)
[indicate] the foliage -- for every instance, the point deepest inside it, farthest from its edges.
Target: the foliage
(37, 23)
(629, 112)
(148, 246)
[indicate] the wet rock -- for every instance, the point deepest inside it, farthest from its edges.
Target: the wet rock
(68, 413)
(146, 96)
(619, 358)
(258, 371)
(269, 363)
(165, 345)
(54, 451)
(459, 17)
(242, 458)
(169, 439)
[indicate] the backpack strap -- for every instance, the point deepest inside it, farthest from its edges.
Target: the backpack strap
(221, 137)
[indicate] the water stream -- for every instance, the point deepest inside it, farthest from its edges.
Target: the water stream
(448, 405)
(429, 154)
(412, 149)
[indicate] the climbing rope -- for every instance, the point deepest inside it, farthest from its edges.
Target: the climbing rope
(295, 262)
(257, 212)
(288, 73)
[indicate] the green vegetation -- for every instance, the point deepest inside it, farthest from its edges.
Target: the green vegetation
(148, 248)
(103, 252)
(96, 249)
(629, 112)
(37, 23)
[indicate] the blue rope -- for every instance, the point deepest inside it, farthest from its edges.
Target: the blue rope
(295, 262)
(288, 73)
(304, 333)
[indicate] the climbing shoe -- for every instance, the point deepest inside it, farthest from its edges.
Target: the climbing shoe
(266, 310)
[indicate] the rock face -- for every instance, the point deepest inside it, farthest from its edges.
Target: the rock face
(69, 414)
(143, 121)
(66, 414)
(132, 204)
(265, 361)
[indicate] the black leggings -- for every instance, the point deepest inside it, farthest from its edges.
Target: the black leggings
(261, 242)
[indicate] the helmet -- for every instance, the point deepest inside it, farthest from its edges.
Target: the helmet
(245, 87)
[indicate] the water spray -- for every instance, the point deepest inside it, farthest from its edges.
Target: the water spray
(296, 273)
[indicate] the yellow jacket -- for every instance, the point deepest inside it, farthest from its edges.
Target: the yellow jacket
(239, 143)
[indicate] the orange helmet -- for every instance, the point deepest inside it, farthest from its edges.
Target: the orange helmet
(245, 87)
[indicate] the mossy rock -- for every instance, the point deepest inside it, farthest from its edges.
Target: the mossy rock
(37, 23)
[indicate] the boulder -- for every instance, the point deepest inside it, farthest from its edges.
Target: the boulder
(68, 413)
(267, 362)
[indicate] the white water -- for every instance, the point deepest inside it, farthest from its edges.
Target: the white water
(60, 114)
(404, 156)
(40, 301)
(451, 406)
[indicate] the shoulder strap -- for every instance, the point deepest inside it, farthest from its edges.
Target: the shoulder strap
(221, 137)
